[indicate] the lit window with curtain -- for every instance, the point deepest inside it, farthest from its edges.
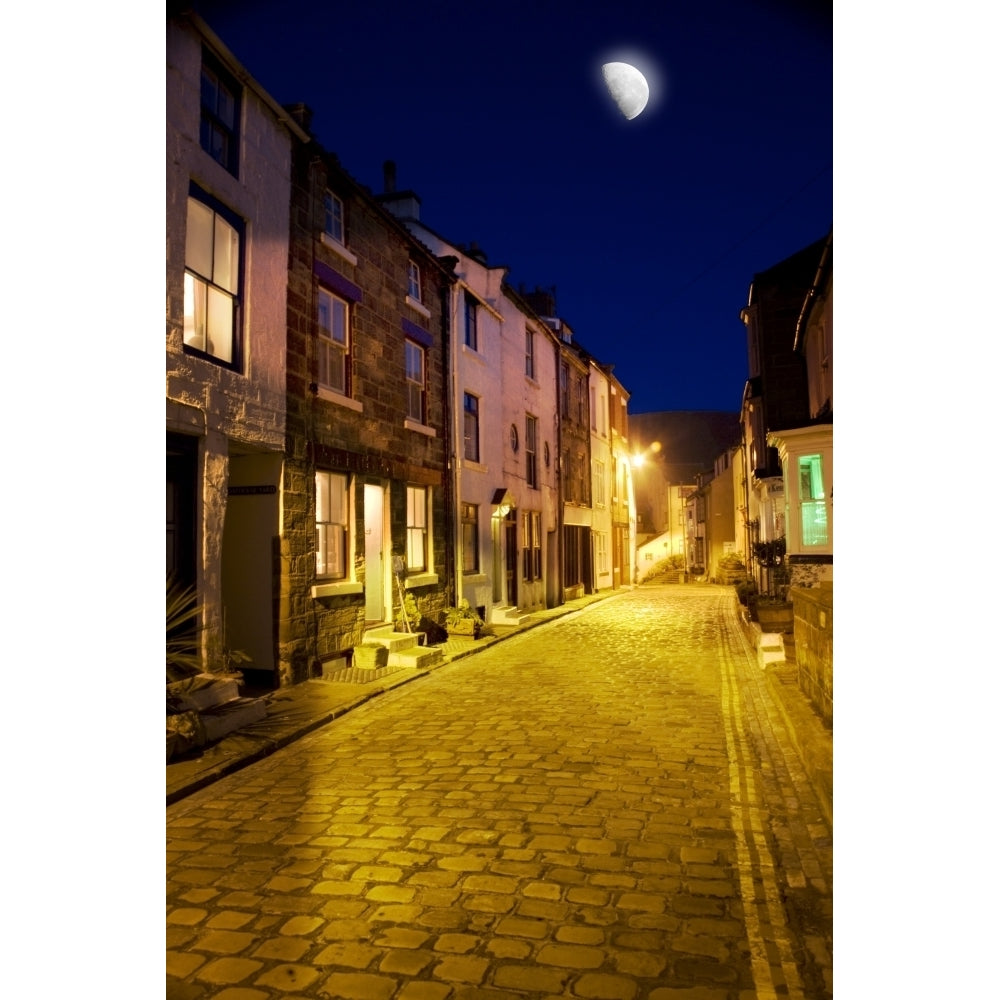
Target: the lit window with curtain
(416, 528)
(331, 525)
(531, 523)
(212, 260)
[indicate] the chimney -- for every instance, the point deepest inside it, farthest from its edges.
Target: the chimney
(542, 300)
(405, 205)
(389, 175)
(476, 252)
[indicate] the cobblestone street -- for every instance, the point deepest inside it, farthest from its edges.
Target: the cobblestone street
(608, 806)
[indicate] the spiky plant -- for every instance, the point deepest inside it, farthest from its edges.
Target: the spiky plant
(183, 626)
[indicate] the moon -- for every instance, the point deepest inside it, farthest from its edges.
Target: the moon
(627, 86)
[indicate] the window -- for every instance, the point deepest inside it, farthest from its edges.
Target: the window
(529, 353)
(416, 528)
(413, 282)
(471, 322)
(470, 538)
(812, 501)
(532, 541)
(471, 427)
(333, 343)
(333, 216)
(531, 450)
(415, 384)
(601, 551)
(599, 479)
(564, 387)
(212, 255)
(220, 114)
(331, 525)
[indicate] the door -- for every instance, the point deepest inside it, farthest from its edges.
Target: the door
(374, 563)
(510, 556)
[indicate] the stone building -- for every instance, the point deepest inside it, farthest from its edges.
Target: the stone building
(368, 505)
(226, 275)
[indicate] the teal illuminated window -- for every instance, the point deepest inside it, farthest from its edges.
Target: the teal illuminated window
(813, 501)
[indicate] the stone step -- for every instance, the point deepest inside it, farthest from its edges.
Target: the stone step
(508, 615)
(420, 657)
(770, 649)
(221, 720)
(393, 641)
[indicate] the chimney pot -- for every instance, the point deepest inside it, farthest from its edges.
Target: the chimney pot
(389, 175)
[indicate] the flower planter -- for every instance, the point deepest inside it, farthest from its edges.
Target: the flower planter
(777, 617)
(463, 628)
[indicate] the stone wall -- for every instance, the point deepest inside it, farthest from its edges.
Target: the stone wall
(814, 645)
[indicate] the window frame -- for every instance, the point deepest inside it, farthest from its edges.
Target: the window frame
(531, 450)
(529, 353)
(211, 121)
(417, 527)
(470, 537)
(328, 343)
(531, 545)
(236, 224)
(470, 333)
(413, 349)
(413, 288)
(470, 413)
(324, 525)
(330, 213)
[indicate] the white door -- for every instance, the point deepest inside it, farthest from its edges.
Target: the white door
(374, 567)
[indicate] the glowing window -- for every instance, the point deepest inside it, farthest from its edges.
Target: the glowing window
(331, 525)
(813, 503)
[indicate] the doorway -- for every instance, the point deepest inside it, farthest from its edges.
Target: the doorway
(510, 556)
(375, 602)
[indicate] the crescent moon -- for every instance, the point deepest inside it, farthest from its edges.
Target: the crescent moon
(627, 86)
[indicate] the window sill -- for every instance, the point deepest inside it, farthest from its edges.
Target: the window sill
(340, 589)
(420, 580)
(471, 352)
(338, 248)
(473, 579)
(469, 463)
(332, 396)
(413, 425)
(418, 306)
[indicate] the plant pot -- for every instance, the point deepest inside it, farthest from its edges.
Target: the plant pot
(777, 617)
(465, 628)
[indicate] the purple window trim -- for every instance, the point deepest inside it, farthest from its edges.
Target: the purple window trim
(336, 282)
(417, 333)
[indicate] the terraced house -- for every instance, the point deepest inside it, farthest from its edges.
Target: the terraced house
(228, 170)
(368, 511)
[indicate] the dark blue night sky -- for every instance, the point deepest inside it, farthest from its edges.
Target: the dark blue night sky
(496, 115)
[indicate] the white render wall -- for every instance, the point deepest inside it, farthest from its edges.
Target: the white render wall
(536, 396)
(229, 411)
(248, 406)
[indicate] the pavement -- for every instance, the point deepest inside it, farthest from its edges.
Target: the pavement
(296, 711)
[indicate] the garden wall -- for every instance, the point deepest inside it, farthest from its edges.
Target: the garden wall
(814, 645)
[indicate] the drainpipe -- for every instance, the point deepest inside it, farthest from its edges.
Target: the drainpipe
(450, 520)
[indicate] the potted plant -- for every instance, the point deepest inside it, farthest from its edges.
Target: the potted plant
(463, 620)
(772, 609)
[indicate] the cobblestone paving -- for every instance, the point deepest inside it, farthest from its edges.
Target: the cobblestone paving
(606, 807)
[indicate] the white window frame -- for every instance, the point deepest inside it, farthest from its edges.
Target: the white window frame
(333, 217)
(529, 353)
(333, 521)
(331, 352)
(470, 538)
(416, 382)
(413, 282)
(418, 557)
(600, 480)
